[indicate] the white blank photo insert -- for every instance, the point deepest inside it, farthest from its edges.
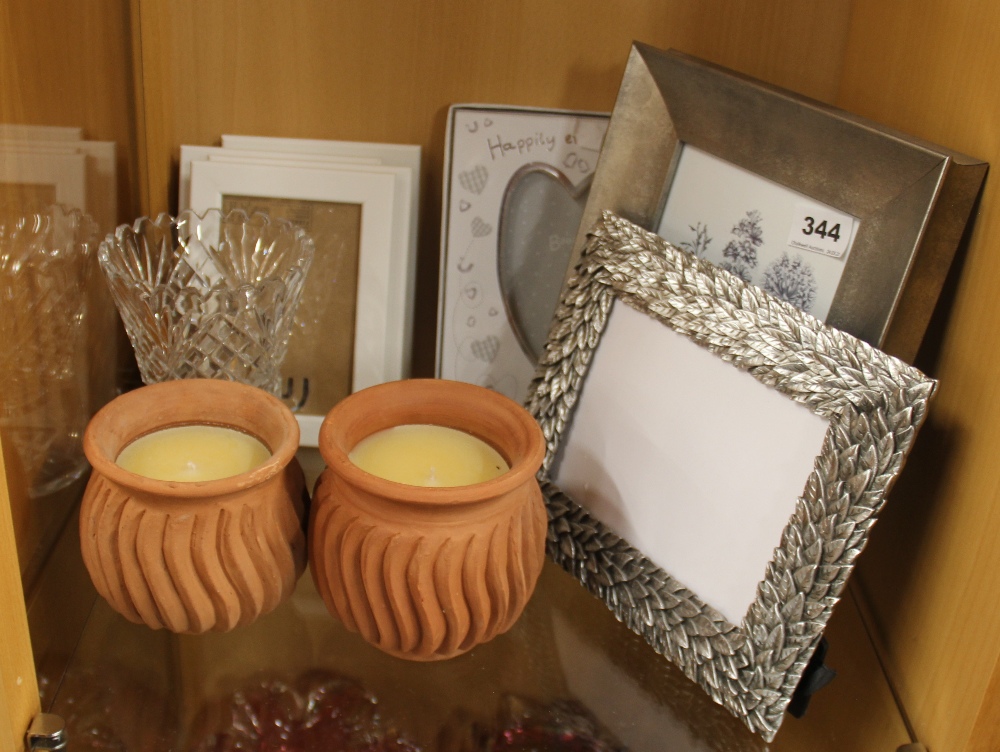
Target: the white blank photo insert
(692, 461)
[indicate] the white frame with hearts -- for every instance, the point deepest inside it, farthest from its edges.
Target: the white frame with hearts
(486, 145)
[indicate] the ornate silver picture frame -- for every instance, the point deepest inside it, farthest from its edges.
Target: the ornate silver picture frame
(870, 406)
(910, 199)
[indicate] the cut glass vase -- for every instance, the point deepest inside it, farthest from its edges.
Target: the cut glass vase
(208, 296)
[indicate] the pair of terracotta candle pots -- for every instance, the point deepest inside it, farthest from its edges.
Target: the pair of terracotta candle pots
(422, 573)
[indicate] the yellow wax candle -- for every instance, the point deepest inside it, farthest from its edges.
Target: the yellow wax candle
(193, 453)
(425, 455)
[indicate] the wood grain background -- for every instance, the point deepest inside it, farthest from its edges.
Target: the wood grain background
(153, 74)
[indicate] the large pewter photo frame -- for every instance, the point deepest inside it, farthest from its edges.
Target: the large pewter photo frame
(715, 460)
(909, 200)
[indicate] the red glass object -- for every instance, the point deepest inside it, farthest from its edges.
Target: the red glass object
(318, 712)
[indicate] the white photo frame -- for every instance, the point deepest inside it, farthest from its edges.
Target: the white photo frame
(404, 220)
(747, 650)
(193, 153)
(40, 132)
(396, 155)
(100, 189)
(38, 147)
(383, 318)
(65, 172)
(389, 155)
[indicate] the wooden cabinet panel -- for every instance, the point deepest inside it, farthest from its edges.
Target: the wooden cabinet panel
(932, 571)
(18, 688)
(61, 64)
(353, 70)
(388, 72)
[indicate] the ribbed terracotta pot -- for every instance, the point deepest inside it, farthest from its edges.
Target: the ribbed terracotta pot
(194, 556)
(428, 573)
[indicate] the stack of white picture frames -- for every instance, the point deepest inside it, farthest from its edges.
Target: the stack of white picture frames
(359, 202)
(56, 165)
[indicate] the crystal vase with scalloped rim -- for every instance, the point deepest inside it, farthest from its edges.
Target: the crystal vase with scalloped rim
(208, 296)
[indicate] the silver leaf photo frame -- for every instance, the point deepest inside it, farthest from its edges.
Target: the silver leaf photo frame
(623, 454)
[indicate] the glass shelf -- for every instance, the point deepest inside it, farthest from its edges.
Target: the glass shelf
(566, 669)
(567, 663)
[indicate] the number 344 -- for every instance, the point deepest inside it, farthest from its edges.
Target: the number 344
(821, 229)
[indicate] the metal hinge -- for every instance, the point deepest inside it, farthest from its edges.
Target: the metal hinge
(46, 732)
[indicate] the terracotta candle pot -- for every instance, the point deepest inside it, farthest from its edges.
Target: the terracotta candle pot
(194, 556)
(427, 573)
